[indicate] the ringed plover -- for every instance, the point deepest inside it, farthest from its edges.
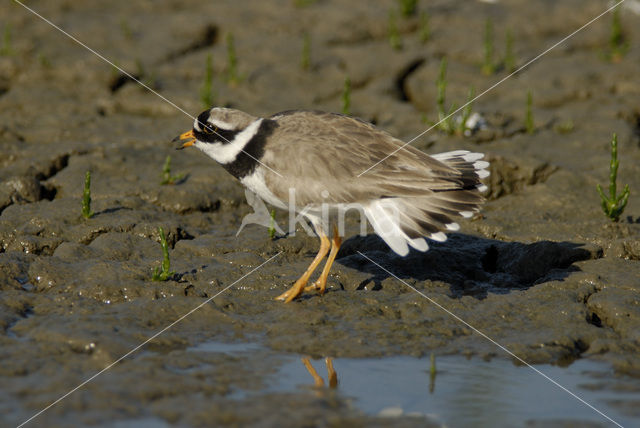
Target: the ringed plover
(407, 197)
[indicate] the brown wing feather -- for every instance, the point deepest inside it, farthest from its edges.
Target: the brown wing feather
(315, 151)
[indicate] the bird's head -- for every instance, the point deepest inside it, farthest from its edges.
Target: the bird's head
(215, 128)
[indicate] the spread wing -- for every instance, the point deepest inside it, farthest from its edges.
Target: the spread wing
(406, 196)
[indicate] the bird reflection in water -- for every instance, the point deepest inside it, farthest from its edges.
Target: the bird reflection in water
(331, 373)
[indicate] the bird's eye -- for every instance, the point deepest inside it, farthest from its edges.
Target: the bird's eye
(209, 129)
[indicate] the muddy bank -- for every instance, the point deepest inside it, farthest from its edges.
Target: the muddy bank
(541, 271)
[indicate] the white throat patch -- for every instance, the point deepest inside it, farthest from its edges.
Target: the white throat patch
(228, 152)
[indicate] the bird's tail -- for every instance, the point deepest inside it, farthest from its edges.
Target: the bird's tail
(405, 221)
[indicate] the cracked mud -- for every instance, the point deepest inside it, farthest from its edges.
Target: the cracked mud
(541, 271)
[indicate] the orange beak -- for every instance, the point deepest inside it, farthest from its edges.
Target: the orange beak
(191, 139)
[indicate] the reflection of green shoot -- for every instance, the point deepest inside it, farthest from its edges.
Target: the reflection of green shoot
(232, 62)
(5, 49)
(614, 205)
(618, 45)
(509, 58)
(86, 196)
(206, 92)
(346, 97)
(432, 373)
(488, 67)
(394, 34)
(528, 120)
(272, 229)
(424, 32)
(305, 63)
(163, 272)
(408, 7)
(167, 178)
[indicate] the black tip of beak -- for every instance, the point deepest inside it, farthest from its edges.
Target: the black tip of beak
(175, 140)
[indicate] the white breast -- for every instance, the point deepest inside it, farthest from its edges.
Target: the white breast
(255, 182)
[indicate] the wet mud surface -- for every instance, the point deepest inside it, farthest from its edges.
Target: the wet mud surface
(541, 270)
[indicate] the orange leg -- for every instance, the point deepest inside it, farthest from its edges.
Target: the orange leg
(300, 284)
(321, 283)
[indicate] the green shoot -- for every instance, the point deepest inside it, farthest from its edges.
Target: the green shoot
(305, 62)
(5, 49)
(424, 31)
(528, 120)
(509, 58)
(394, 34)
(86, 196)
(614, 205)
(163, 272)
(408, 7)
(232, 62)
(346, 97)
(167, 178)
(564, 127)
(125, 28)
(272, 229)
(466, 113)
(445, 120)
(303, 3)
(45, 62)
(488, 67)
(206, 92)
(618, 45)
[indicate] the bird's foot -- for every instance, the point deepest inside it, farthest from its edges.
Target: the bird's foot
(319, 286)
(295, 291)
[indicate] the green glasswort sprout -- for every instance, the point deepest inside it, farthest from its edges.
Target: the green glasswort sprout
(163, 272)
(86, 196)
(272, 229)
(125, 28)
(5, 49)
(528, 121)
(614, 205)
(488, 67)
(509, 58)
(206, 92)
(446, 122)
(441, 85)
(167, 178)
(394, 34)
(408, 7)
(346, 97)
(232, 61)
(618, 45)
(466, 112)
(305, 62)
(424, 32)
